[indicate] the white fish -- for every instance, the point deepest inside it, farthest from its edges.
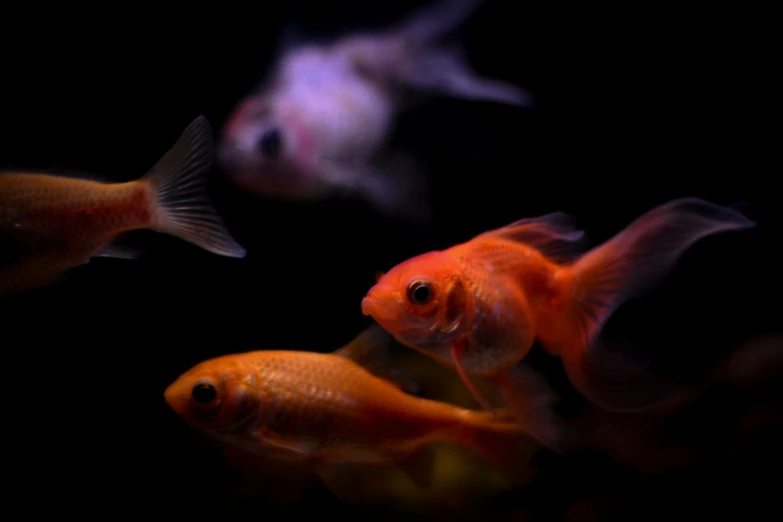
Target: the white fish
(320, 122)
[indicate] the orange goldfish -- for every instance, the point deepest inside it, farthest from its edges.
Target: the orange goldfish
(479, 306)
(50, 224)
(335, 409)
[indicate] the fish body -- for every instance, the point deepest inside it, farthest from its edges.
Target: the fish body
(328, 409)
(319, 124)
(480, 306)
(50, 224)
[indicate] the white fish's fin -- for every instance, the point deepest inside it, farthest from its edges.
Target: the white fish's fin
(291, 37)
(179, 180)
(435, 20)
(370, 350)
(446, 71)
(394, 186)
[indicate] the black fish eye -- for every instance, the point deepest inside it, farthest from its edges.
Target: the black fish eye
(271, 143)
(204, 392)
(419, 291)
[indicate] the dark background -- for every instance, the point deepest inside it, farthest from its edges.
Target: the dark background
(639, 106)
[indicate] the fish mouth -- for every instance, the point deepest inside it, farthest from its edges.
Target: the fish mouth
(370, 306)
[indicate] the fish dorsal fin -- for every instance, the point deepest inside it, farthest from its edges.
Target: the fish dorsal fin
(555, 235)
(371, 350)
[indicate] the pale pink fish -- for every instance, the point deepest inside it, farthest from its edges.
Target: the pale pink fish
(320, 124)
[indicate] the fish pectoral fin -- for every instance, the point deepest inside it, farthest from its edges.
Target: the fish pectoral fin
(306, 446)
(532, 401)
(456, 353)
(419, 466)
(371, 350)
(393, 184)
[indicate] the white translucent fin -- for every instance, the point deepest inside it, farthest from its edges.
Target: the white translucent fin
(179, 180)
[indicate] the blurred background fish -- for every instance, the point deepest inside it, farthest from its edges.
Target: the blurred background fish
(328, 412)
(318, 126)
(50, 224)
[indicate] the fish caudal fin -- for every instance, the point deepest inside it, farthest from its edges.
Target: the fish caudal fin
(622, 269)
(501, 442)
(183, 208)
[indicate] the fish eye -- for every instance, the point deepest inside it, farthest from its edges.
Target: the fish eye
(271, 143)
(204, 392)
(420, 291)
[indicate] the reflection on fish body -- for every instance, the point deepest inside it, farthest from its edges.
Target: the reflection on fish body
(480, 306)
(50, 224)
(320, 123)
(329, 410)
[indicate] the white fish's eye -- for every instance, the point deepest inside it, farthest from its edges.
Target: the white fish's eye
(271, 143)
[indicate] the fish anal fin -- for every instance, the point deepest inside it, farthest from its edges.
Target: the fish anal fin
(418, 466)
(554, 235)
(532, 400)
(120, 251)
(371, 350)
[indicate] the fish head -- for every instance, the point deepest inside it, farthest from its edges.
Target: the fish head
(422, 302)
(267, 150)
(218, 395)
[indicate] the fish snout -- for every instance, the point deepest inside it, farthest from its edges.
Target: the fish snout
(174, 398)
(369, 306)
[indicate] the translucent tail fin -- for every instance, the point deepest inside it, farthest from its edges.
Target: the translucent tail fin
(179, 180)
(621, 269)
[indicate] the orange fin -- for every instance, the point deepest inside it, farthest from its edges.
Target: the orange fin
(419, 466)
(554, 235)
(342, 480)
(456, 354)
(532, 401)
(506, 445)
(622, 269)
(371, 350)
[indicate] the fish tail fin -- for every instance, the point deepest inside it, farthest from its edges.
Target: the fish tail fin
(624, 268)
(501, 441)
(183, 208)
